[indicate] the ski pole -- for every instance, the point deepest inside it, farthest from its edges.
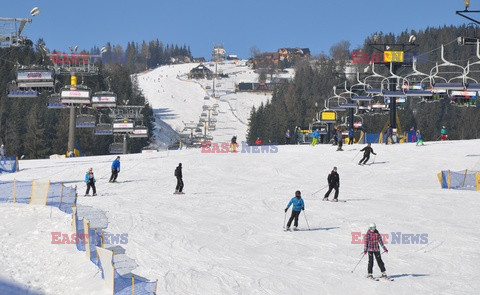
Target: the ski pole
(284, 219)
(319, 190)
(358, 263)
(374, 157)
(305, 215)
(356, 155)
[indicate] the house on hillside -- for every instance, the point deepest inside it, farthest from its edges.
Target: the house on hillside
(199, 59)
(266, 58)
(200, 72)
(290, 53)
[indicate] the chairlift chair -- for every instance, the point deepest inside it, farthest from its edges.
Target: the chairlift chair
(85, 121)
(103, 129)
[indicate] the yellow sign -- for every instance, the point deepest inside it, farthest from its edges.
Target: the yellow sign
(393, 56)
(328, 116)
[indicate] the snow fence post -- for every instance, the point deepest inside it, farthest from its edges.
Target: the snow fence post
(133, 285)
(61, 197)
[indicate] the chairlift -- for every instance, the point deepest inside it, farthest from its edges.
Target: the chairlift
(104, 99)
(116, 148)
(206, 97)
(214, 113)
(211, 127)
(85, 121)
(123, 126)
(205, 107)
(55, 102)
(103, 129)
(139, 131)
(204, 115)
(75, 95)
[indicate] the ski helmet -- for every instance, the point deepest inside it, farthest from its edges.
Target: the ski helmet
(372, 226)
(298, 193)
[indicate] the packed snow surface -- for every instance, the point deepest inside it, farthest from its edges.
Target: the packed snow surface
(225, 235)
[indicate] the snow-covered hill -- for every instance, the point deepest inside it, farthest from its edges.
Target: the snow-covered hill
(177, 100)
(224, 236)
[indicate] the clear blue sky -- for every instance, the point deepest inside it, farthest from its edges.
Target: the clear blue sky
(238, 25)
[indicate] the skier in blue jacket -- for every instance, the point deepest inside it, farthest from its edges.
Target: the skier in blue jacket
(115, 169)
(298, 206)
(90, 181)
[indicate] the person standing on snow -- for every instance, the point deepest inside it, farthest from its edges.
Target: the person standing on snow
(350, 136)
(340, 139)
(288, 136)
(298, 206)
(2, 151)
(179, 176)
(419, 138)
(389, 134)
(372, 239)
(366, 154)
(333, 183)
(443, 133)
(233, 144)
(90, 181)
(115, 170)
(315, 135)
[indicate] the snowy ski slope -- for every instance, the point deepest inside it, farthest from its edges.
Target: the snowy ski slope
(176, 99)
(224, 236)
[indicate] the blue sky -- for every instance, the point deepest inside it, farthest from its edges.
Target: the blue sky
(238, 25)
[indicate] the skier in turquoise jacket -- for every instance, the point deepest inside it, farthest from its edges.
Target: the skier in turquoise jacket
(298, 206)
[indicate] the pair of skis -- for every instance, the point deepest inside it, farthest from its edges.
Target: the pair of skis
(380, 278)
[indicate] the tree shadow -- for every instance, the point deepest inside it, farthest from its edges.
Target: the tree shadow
(409, 275)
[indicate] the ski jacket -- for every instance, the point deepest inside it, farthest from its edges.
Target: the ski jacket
(87, 178)
(2, 151)
(315, 134)
(367, 150)
(297, 203)
(443, 131)
(372, 239)
(287, 134)
(333, 179)
(116, 165)
(389, 131)
(350, 133)
(178, 171)
(419, 136)
(234, 139)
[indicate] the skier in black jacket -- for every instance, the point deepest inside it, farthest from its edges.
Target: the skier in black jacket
(178, 175)
(366, 154)
(333, 183)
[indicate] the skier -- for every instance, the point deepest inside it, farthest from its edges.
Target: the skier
(443, 133)
(340, 139)
(233, 144)
(180, 145)
(298, 206)
(115, 170)
(2, 151)
(90, 181)
(335, 136)
(258, 141)
(419, 138)
(333, 183)
(389, 134)
(366, 154)
(315, 136)
(372, 239)
(288, 136)
(350, 136)
(178, 175)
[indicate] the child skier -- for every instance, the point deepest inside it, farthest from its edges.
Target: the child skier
(90, 181)
(298, 206)
(372, 239)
